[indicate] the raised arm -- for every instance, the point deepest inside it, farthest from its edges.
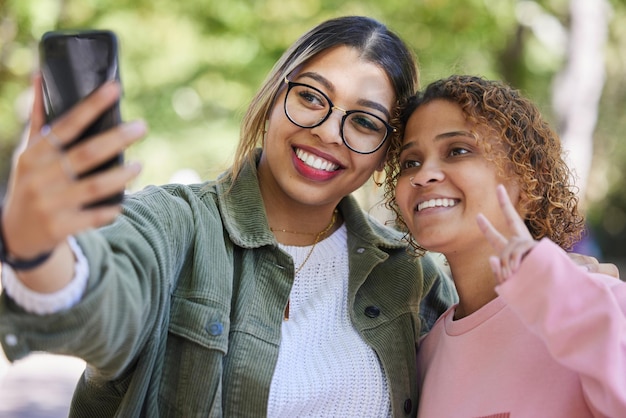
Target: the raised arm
(580, 316)
(45, 197)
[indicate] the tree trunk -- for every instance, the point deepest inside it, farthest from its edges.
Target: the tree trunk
(578, 88)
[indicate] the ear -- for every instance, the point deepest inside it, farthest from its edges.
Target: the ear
(379, 177)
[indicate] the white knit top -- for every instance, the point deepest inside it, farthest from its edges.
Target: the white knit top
(324, 367)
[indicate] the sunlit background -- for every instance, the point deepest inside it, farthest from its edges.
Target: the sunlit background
(190, 67)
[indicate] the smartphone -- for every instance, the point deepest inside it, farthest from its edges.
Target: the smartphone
(73, 65)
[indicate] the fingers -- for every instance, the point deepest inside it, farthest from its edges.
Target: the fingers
(604, 268)
(37, 118)
(83, 157)
(582, 259)
(510, 250)
(494, 263)
(512, 256)
(510, 259)
(71, 124)
(496, 239)
(46, 198)
(97, 187)
(514, 222)
(102, 148)
(43, 169)
(93, 218)
(513, 219)
(592, 265)
(41, 214)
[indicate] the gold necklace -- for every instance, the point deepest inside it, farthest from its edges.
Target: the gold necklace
(291, 232)
(317, 239)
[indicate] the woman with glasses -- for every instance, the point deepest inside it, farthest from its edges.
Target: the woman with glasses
(265, 292)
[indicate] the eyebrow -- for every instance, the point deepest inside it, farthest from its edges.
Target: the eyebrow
(440, 137)
(329, 86)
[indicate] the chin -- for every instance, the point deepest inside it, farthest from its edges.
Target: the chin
(431, 245)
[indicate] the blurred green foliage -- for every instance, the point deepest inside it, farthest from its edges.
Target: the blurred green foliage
(190, 67)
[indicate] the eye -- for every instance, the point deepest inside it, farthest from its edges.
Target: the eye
(409, 164)
(456, 151)
(310, 98)
(364, 122)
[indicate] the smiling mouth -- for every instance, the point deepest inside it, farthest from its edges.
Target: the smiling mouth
(437, 203)
(315, 162)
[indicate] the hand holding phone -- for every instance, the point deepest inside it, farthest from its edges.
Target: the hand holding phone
(45, 198)
(73, 65)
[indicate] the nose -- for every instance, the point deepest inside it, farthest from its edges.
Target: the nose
(426, 175)
(329, 130)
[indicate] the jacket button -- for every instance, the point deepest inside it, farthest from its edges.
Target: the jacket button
(360, 250)
(10, 340)
(215, 328)
(372, 311)
(408, 406)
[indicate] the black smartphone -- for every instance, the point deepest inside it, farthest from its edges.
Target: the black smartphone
(73, 65)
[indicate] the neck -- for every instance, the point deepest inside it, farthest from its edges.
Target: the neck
(474, 282)
(284, 213)
(318, 236)
(304, 225)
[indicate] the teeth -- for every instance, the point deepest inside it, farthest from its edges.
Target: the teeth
(315, 162)
(432, 203)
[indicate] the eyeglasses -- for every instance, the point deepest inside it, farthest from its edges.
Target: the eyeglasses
(308, 107)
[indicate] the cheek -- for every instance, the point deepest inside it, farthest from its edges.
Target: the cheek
(402, 194)
(277, 125)
(485, 176)
(513, 191)
(276, 115)
(364, 165)
(382, 157)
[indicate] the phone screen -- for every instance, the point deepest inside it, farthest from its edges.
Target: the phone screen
(73, 65)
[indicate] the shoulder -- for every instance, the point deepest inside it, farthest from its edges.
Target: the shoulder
(365, 227)
(171, 206)
(173, 195)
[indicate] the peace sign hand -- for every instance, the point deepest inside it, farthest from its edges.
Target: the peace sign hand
(511, 251)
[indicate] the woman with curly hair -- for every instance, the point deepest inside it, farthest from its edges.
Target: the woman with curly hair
(479, 177)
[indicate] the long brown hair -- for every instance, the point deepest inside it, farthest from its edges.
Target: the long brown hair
(376, 44)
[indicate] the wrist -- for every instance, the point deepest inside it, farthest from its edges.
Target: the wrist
(17, 263)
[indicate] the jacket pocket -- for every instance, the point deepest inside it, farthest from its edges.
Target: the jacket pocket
(191, 381)
(205, 324)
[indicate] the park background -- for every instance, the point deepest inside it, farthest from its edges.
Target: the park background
(190, 67)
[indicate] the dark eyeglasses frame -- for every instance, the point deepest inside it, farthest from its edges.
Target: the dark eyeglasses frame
(346, 113)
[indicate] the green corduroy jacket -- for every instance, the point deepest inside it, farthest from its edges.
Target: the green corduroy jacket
(183, 309)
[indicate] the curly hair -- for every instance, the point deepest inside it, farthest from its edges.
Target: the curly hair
(531, 151)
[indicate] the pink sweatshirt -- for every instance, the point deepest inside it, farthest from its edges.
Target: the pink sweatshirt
(552, 344)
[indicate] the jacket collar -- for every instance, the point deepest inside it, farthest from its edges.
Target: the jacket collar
(245, 220)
